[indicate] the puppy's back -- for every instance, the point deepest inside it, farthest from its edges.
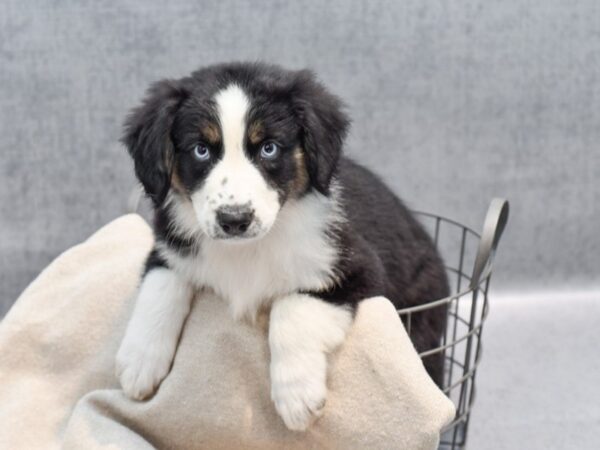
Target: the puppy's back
(414, 271)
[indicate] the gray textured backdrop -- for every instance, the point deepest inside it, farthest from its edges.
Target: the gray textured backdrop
(453, 103)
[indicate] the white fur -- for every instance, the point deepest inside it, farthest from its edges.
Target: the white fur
(149, 345)
(235, 180)
(296, 254)
(302, 331)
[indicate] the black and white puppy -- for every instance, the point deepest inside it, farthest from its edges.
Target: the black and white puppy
(253, 200)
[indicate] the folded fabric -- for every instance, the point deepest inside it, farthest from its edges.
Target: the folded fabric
(58, 390)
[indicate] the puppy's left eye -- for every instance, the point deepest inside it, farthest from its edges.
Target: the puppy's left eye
(269, 150)
(201, 152)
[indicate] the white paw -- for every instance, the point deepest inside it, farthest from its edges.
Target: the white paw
(299, 392)
(141, 369)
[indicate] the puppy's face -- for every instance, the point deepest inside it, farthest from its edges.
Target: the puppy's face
(238, 159)
(234, 143)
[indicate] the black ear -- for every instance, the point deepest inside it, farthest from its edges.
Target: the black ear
(147, 137)
(323, 126)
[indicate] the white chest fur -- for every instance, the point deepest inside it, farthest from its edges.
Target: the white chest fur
(296, 254)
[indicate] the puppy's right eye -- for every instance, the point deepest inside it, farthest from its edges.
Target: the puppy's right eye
(201, 152)
(269, 150)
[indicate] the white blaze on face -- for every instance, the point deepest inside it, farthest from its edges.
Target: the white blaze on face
(234, 181)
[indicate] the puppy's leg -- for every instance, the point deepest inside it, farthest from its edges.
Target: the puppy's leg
(149, 345)
(302, 330)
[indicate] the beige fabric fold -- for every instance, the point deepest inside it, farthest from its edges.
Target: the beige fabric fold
(57, 388)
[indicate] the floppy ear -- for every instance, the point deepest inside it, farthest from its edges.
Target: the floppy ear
(323, 126)
(147, 137)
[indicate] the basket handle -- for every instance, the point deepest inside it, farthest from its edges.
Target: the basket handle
(493, 226)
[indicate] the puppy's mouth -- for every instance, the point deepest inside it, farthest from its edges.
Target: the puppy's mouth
(237, 223)
(248, 237)
(234, 222)
(219, 234)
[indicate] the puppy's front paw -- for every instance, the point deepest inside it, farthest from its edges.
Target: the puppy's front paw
(141, 369)
(299, 392)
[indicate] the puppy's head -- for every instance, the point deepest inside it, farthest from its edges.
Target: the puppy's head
(234, 142)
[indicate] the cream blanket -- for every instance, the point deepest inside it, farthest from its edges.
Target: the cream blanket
(57, 387)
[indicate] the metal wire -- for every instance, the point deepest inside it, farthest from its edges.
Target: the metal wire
(467, 309)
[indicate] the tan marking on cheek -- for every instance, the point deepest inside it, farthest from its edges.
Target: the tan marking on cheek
(256, 132)
(171, 167)
(176, 181)
(211, 133)
(300, 181)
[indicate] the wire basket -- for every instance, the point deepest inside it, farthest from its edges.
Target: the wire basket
(466, 308)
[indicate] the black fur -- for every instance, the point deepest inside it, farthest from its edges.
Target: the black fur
(389, 253)
(324, 127)
(147, 137)
(154, 261)
(383, 250)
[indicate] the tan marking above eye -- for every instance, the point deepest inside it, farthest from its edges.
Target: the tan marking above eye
(256, 132)
(211, 133)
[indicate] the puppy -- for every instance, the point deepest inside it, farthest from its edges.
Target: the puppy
(253, 200)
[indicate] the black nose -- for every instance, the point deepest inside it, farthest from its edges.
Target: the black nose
(234, 220)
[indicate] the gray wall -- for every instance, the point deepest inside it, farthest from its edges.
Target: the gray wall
(454, 102)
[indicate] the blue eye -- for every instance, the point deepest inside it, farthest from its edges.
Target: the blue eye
(269, 150)
(201, 152)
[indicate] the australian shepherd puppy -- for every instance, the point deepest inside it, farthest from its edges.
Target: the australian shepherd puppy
(253, 200)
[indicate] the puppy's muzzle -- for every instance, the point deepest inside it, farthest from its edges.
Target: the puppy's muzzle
(235, 220)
